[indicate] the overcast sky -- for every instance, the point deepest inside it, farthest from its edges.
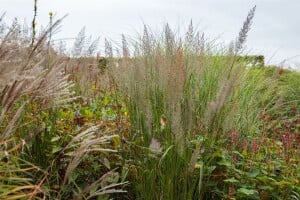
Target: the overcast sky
(275, 32)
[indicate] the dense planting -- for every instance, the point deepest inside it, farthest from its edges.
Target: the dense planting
(170, 118)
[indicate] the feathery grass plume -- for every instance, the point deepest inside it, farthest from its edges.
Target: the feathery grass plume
(175, 93)
(169, 40)
(108, 49)
(189, 36)
(125, 49)
(155, 147)
(84, 46)
(146, 41)
(2, 17)
(109, 189)
(27, 76)
(200, 44)
(194, 40)
(92, 47)
(2, 24)
(61, 48)
(228, 83)
(193, 159)
(239, 43)
(79, 43)
(37, 83)
(236, 47)
(87, 141)
(9, 46)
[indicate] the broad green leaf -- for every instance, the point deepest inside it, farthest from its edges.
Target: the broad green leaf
(231, 180)
(124, 173)
(56, 149)
(244, 192)
(54, 139)
(224, 163)
(254, 173)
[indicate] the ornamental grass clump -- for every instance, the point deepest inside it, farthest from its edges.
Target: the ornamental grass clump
(186, 95)
(38, 159)
(165, 116)
(25, 79)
